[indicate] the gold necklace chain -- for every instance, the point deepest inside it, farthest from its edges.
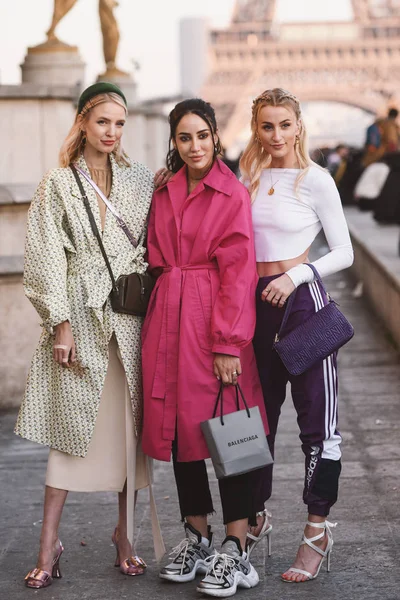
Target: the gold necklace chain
(271, 190)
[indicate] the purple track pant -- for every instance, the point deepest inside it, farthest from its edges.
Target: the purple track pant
(314, 396)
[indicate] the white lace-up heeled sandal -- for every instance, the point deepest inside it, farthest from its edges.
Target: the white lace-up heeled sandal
(324, 553)
(266, 531)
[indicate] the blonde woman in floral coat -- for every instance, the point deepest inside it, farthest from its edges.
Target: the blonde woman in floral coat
(83, 396)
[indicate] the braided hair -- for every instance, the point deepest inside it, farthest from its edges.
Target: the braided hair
(254, 159)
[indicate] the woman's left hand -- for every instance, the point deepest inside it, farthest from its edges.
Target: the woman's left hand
(227, 368)
(161, 177)
(278, 290)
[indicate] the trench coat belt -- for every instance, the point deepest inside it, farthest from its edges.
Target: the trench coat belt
(166, 372)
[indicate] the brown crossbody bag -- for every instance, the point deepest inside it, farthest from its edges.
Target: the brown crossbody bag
(131, 293)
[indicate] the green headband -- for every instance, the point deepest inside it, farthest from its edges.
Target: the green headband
(103, 87)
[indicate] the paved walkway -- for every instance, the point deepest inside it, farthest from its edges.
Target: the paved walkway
(365, 558)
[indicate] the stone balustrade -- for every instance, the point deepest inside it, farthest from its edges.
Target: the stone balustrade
(377, 267)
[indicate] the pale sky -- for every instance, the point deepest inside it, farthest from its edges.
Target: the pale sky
(149, 33)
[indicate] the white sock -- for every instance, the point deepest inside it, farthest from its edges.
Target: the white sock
(205, 541)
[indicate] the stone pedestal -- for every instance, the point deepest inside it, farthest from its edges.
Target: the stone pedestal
(124, 81)
(53, 63)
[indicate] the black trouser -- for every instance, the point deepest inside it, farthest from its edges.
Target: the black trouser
(239, 495)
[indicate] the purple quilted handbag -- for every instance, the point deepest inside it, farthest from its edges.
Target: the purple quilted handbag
(315, 339)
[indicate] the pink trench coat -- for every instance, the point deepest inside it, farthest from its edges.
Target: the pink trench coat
(203, 302)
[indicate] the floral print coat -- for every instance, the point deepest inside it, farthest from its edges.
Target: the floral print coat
(66, 278)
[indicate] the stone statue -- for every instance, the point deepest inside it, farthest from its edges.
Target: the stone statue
(61, 8)
(54, 62)
(110, 32)
(64, 56)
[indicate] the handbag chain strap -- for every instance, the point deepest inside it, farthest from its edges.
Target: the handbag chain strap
(94, 225)
(112, 209)
(220, 399)
(289, 304)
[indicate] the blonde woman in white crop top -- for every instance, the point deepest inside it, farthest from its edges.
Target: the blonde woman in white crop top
(292, 200)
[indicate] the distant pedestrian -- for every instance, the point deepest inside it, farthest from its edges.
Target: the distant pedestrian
(373, 150)
(383, 137)
(292, 200)
(370, 184)
(198, 332)
(83, 396)
(387, 203)
(337, 162)
(390, 131)
(347, 176)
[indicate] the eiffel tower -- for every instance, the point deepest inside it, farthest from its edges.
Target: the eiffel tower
(355, 62)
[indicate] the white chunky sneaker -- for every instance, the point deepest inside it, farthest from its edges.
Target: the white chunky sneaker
(190, 556)
(228, 570)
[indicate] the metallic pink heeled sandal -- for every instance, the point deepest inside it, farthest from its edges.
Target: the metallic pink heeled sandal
(38, 578)
(134, 565)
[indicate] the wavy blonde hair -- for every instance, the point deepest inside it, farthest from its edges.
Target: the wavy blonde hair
(74, 143)
(255, 159)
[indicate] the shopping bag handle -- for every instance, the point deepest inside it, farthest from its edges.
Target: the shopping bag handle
(220, 400)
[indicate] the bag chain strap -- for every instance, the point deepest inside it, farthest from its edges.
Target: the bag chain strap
(112, 209)
(94, 225)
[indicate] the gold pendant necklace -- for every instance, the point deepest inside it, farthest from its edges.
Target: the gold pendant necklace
(271, 189)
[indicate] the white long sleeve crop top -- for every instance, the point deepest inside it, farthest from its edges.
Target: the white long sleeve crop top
(286, 224)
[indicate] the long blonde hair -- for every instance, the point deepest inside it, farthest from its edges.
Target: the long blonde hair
(255, 159)
(74, 143)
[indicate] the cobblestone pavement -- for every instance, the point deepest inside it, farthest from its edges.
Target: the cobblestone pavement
(365, 558)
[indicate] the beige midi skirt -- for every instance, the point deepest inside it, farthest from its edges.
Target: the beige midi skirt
(114, 455)
(104, 468)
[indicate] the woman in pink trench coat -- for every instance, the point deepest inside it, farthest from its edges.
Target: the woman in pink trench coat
(198, 330)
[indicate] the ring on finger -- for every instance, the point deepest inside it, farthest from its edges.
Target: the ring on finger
(235, 373)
